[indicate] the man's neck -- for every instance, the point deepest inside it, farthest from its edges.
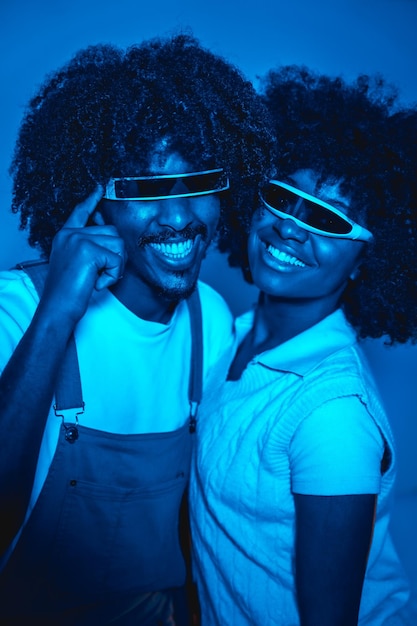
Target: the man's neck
(144, 301)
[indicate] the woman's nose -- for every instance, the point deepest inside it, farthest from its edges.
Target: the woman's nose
(287, 228)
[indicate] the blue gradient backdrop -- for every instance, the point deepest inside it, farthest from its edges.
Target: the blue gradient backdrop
(334, 36)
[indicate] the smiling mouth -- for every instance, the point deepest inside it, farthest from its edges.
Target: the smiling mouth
(174, 250)
(283, 257)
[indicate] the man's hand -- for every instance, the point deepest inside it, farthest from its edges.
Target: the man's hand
(83, 258)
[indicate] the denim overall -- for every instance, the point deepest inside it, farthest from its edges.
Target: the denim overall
(102, 543)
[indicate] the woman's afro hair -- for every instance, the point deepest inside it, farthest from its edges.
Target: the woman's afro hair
(104, 113)
(359, 135)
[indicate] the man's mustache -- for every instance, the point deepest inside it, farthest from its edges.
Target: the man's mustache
(168, 234)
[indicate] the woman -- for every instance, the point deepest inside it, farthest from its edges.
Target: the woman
(295, 460)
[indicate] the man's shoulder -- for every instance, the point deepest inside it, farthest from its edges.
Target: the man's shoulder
(18, 302)
(15, 283)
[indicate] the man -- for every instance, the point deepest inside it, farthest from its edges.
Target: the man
(126, 166)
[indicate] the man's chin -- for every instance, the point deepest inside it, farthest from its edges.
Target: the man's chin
(180, 290)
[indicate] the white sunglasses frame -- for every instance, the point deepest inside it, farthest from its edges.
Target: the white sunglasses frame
(357, 233)
(110, 193)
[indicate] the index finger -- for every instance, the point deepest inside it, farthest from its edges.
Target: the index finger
(81, 213)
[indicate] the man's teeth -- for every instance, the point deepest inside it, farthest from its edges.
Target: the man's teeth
(177, 250)
(284, 257)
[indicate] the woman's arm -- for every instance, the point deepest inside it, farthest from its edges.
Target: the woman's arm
(333, 537)
(335, 459)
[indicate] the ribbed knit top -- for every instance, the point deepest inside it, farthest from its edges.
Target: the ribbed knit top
(242, 507)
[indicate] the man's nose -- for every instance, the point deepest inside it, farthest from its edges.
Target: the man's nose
(176, 212)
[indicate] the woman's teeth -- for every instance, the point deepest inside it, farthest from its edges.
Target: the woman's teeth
(284, 257)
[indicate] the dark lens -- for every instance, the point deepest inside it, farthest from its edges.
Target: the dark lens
(210, 181)
(306, 211)
(279, 198)
(323, 219)
(148, 188)
(159, 187)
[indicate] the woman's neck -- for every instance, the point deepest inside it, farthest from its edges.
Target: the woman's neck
(277, 321)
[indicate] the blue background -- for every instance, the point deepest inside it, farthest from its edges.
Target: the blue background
(333, 36)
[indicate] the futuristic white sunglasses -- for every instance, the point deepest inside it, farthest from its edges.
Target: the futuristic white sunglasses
(163, 186)
(310, 212)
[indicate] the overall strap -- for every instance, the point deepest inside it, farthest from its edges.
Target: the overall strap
(195, 387)
(68, 391)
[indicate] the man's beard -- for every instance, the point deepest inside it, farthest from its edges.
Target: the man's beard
(175, 294)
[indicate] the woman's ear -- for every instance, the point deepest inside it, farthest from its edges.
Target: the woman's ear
(355, 272)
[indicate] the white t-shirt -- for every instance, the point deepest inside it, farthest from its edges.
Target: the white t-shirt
(134, 373)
